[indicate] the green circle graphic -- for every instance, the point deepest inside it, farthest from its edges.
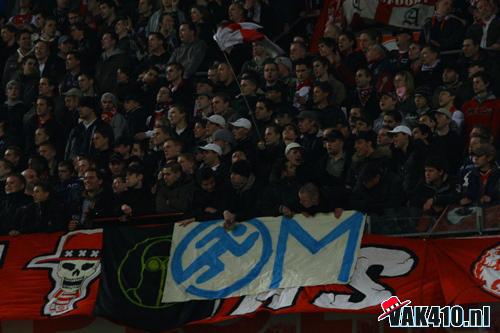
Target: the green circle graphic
(139, 263)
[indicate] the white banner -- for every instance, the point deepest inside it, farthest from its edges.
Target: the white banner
(410, 14)
(208, 262)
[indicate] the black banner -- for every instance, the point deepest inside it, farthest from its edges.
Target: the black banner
(135, 262)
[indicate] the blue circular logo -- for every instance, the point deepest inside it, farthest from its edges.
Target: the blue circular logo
(237, 242)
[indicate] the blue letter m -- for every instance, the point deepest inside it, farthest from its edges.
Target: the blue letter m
(351, 225)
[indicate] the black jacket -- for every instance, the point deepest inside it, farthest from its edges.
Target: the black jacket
(42, 217)
(326, 204)
(136, 121)
(281, 192)
(243, 202)
(388, 193)
(175, 198)
(313, 146)
(492, 35)
(413, 169)
(451, 146)
(10, 209)
(106, 68)
(203, 200)
(448, 32)
(140, 200)
(80, 139)
(445, 194)
(380, 157)
(101, 205)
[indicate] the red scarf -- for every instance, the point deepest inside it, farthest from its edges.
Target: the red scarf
(484, 179)
(107, 116)
(439, 19)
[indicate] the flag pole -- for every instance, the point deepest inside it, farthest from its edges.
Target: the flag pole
(252, 117)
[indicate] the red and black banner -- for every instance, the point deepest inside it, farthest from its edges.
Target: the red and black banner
(49, 275)
(135, 262)
(58, 275)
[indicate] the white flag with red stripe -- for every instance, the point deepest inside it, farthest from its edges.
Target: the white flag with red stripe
(410, 14)
(233, 34)
(237, 33)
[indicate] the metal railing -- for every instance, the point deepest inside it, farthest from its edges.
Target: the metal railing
(406, 222)
(454, 221)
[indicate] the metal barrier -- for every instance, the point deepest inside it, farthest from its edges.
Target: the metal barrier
(453, 221)
(404, 222)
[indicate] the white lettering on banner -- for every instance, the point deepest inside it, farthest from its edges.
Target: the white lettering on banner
(410, 14)
(407, 3)
(373, 262)
(208, 262)
(365, 282)
(274, 299)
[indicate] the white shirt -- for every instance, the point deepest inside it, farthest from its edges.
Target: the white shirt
(485, 31)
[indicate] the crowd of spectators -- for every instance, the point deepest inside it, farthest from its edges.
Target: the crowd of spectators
(128, 108)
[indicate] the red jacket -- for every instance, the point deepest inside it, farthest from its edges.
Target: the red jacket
(486, 113)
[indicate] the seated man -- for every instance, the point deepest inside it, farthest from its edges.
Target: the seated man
(437, 190)
(96, 202)
(242, 196)
(377, 190)
(15, 199)
(209, 196)
(137, 199)
(482, 184)
(312, 201)
(174, 193)
(45, 214)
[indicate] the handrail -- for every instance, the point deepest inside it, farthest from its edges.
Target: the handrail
(125, 218)
(425, 226)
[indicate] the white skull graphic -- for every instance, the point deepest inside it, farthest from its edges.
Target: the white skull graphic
(74, 272)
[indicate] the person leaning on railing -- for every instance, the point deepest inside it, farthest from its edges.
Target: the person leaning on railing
(437, 190)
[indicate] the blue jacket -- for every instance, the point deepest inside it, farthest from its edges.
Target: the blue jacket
(474, 189)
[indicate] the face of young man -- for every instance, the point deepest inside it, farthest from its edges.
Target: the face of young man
(169, 176)
(333, 147)
(63, 173)
(91, 182)
(301, 72)
(133, 179)
(13, 185)
(362, 147)
(400, 140)
(445, 98)
(270, 136)
(432, 175)
(319, 69)
(306, 200)
(479, 85)
(208, 185)
(39, 195)
(270, 72)
(480, 161)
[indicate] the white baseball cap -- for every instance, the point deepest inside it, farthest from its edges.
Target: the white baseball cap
(401, 129)
(242, 122)
(213, 147)
(217, 119)
(291, 146)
